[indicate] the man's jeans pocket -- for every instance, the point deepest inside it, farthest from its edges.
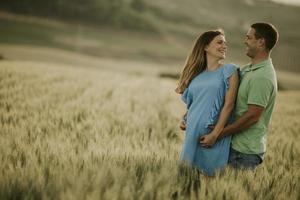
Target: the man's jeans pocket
(240, 160)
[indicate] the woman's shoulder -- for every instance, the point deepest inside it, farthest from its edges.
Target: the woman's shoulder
(229, 69)
(231, 65)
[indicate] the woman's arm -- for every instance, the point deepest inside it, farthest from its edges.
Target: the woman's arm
(209, 139)
(245, 121)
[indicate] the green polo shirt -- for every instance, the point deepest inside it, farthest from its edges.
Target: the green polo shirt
(258, 86)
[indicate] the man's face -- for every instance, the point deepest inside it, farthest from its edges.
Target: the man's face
(251, 43)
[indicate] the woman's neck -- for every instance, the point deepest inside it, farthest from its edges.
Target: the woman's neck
(212, 64)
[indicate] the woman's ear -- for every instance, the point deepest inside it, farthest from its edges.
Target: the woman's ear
(206, 47)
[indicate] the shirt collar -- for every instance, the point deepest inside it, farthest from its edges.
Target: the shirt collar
(249, 67)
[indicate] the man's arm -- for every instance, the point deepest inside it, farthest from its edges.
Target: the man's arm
(245, 121)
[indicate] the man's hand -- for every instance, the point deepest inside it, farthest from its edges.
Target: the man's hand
(182, 126)
(208, 140)
(211, 127)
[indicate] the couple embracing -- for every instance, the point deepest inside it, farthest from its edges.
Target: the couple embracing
(228, 109)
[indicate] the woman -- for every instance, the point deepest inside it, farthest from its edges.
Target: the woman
(209, 90)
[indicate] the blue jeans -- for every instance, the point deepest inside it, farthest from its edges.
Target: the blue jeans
(240, 160)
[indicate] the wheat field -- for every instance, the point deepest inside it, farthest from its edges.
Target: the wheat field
(84, 133)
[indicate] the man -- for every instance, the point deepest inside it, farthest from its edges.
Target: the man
(255, 100)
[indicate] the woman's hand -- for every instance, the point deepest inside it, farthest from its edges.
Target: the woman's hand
(208, 140)
(182, 126)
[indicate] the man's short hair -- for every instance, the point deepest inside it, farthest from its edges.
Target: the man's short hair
(266, 31)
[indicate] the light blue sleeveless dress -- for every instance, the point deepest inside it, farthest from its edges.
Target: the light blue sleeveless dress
(204, 98)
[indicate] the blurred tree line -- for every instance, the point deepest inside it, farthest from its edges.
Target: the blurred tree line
(125, 14)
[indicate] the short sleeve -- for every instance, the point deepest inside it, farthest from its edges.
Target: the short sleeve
(186, 97)
(260, 91)
(228, 71)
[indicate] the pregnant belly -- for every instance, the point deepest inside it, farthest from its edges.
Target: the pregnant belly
(198, 122)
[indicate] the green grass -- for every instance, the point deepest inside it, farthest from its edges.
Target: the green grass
(84, 133)
(178, 24)
(235, 17)
(101, 42)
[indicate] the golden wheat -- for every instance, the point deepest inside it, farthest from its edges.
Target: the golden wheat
(76, 133)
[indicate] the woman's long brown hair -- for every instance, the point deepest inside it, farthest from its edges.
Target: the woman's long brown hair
(196, 61)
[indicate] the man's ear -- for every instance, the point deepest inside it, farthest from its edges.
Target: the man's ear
(262, 42)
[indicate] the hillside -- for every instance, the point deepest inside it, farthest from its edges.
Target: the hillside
(177, 24)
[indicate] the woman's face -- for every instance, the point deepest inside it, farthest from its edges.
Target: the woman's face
(217, 47)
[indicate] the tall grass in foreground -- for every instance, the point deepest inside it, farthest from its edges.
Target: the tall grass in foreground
(75, 133)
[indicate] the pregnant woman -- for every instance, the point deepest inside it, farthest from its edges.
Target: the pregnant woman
(209, 90)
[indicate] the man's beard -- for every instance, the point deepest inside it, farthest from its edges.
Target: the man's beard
(250, 53)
